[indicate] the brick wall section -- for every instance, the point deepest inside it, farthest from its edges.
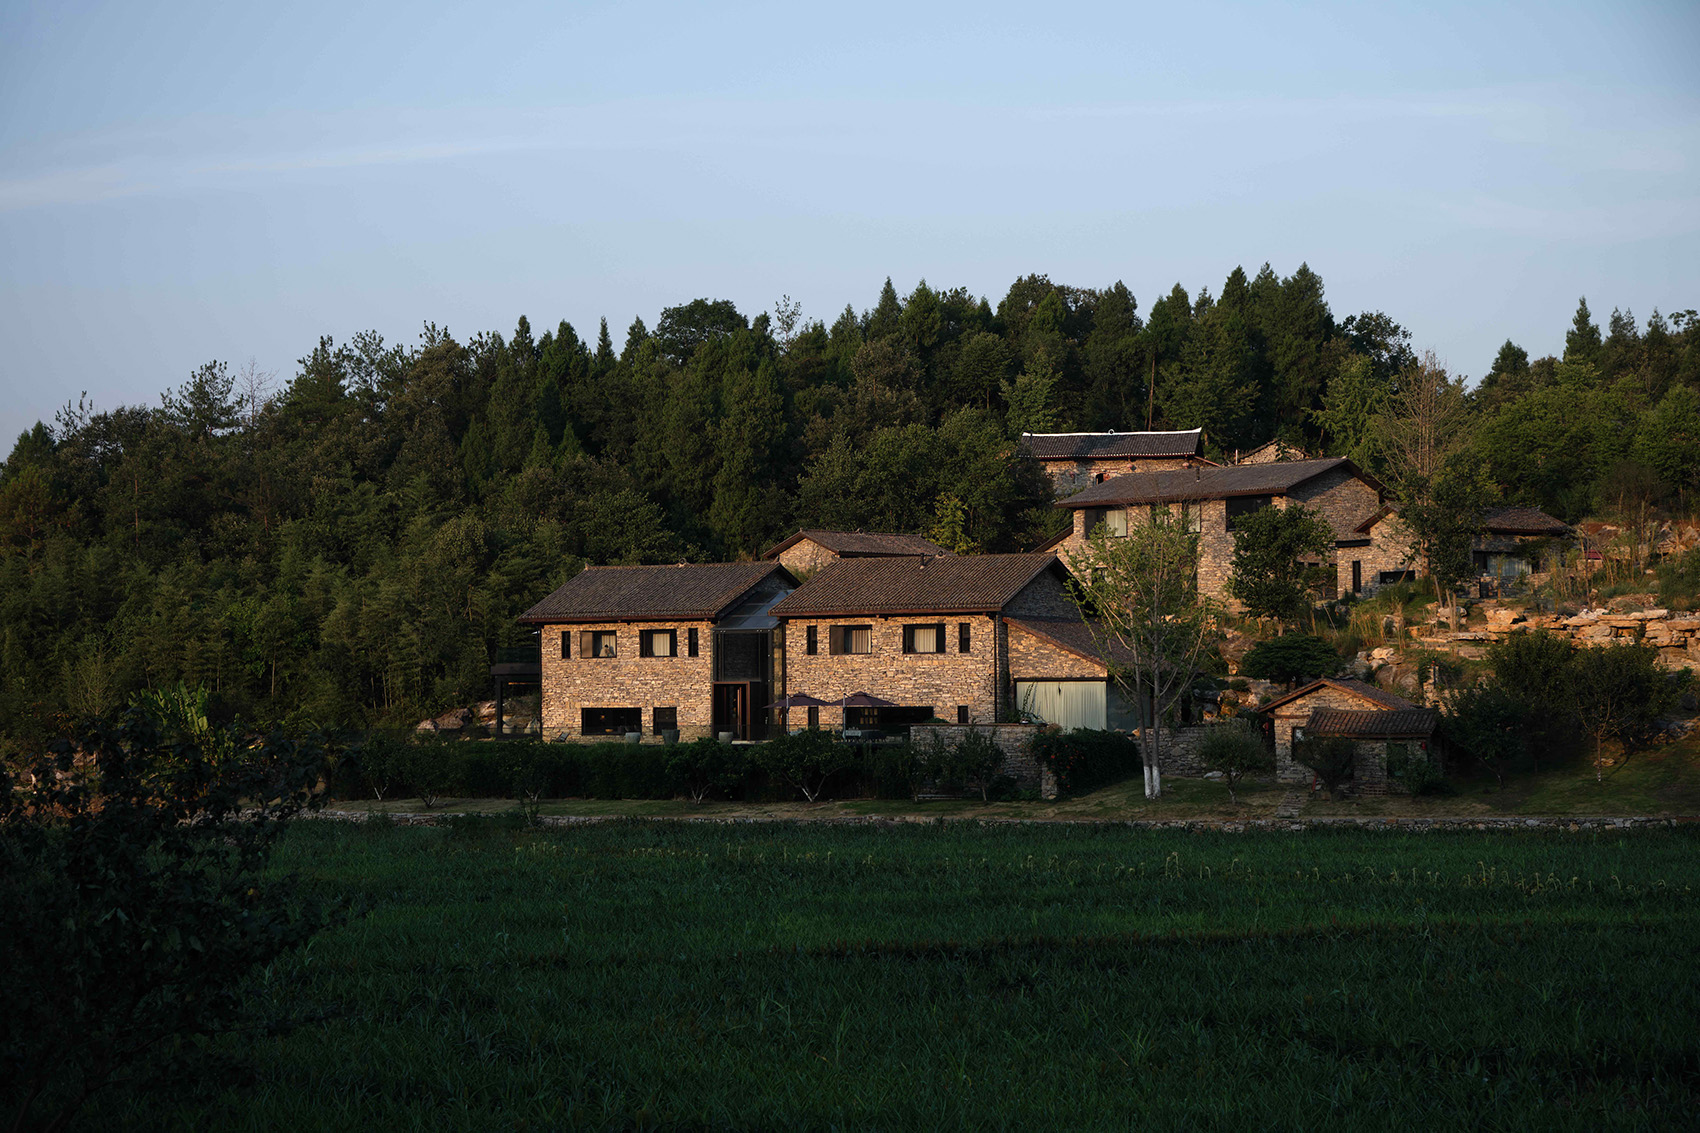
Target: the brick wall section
(1179, 751)
(1014, 740)
(943, 680)
(805, 557)
(627, 680)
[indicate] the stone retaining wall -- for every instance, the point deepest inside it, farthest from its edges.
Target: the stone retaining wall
(1014, 740)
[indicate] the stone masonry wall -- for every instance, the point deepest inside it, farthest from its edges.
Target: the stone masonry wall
(627, 680)
(805, 557)
(1072, 475)
(943, 680)
(1035, 659)
(1044, 597)
(1014, 740)
(1294, 714)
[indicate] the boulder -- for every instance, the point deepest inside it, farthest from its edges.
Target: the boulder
(426, 726)
(453, 720)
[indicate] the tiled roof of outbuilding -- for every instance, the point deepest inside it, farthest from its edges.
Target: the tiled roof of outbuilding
(1404, 723)
(1108, 446)
(686, 592)
(910, 585)
(1205, 483)
(1522, 521)
(852, 543)
(1357, 688)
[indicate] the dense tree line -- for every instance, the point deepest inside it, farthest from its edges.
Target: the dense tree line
(351, 547)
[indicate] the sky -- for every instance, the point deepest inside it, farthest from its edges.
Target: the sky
(189, 182)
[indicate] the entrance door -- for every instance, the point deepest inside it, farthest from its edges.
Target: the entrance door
(738, 709)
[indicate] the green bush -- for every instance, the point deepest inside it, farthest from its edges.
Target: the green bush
(804, 760)
(1236, 749)
(972, 762)
(891, 771)
(705, 766)
(1413, 766)
(1295, 657)
(1086, 758)
(1332, 760)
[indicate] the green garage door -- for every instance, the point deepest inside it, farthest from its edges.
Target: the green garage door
(1068, 704)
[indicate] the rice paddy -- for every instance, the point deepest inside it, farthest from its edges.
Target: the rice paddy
(766, 975)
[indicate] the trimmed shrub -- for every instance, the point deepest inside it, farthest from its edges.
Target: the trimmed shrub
(703, 767)
(1416, 769)
(1086, 758)
(804, 760)
(1295, 657)
(972, 762)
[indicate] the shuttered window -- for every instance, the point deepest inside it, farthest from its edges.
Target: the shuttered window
(852, 639)
(658, 643)
(923, 638)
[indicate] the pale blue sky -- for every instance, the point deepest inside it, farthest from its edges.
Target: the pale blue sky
(184, 182)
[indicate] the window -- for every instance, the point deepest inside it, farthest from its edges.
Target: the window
(1116, 520)
(810, 644)
(566, 644)
(1389, 577)
(814, 718)
(1357, 576)
(923, 639)
(597, 643)
(1245, 505)
(962, 714)
(1192, 518)
(964, 637)
(691, 641)
(658, 643)
(666, 720)
(852, 639)
(610, 721)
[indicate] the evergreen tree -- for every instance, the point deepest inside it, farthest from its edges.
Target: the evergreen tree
(1582, 341)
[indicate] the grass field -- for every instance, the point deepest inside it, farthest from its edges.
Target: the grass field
(778, 976)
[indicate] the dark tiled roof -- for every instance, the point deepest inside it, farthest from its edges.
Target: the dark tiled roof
(910, 585)
(1404, 723)
(1075, 636)
(852, 543)
(1358, 688)
(687, 592)
(1208, 483)
(1106, 446)
(1522, 521)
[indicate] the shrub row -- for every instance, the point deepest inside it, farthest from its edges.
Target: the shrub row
(810, 764)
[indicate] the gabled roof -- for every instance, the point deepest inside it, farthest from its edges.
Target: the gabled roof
(1522, 521)
(1271, 451)
(1207, 483)
(1073, 636)
(1392, 724)
(948, 584)
(1378, 698)
(686, 592)
(1105, 446)
(852, 543)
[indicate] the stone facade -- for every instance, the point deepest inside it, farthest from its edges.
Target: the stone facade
(627, 680)
(804, 557)
(1072, 475)
(944, 681)
(1385, 549)
(1032, 658)
(1294, 713)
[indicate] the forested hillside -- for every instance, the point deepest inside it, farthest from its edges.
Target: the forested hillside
(348, 545)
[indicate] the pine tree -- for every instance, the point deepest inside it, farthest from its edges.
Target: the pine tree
(1582, 341)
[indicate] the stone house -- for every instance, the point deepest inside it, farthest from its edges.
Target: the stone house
(1328, 708)
(958, 638)
(1509, 547)
(691, 649)
(1211, 499)
(1073, 460)
(1271, 451)
(808, 550)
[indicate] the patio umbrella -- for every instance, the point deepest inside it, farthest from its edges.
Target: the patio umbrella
(799, 700)
(864, 700)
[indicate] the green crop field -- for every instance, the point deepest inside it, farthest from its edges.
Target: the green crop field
(778, 976)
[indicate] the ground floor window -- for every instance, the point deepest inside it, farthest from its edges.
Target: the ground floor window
(1389, 577)
(610, 721)
(666, 720)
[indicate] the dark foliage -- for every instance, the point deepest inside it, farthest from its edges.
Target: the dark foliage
(1291, 658)
(1332, 760)
(134, 903)
(1086, 759)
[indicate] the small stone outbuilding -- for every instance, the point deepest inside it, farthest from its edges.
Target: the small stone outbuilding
(810, 549)
(1074, 460)
(1352, 709)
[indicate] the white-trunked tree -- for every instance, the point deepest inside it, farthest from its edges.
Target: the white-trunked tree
(1140, 590)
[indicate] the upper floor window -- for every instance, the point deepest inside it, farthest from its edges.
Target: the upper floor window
(964, 636)
(852, 639)
(923, 639)
(1239, 506)
(811, 644)
(1116, 520)
(658, 643)
(598, 643)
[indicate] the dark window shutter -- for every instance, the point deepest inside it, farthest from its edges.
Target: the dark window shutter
(566, 644)
(691, 640)
(964, 636)
(810, 645)
(835, 639)
(585, 648)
